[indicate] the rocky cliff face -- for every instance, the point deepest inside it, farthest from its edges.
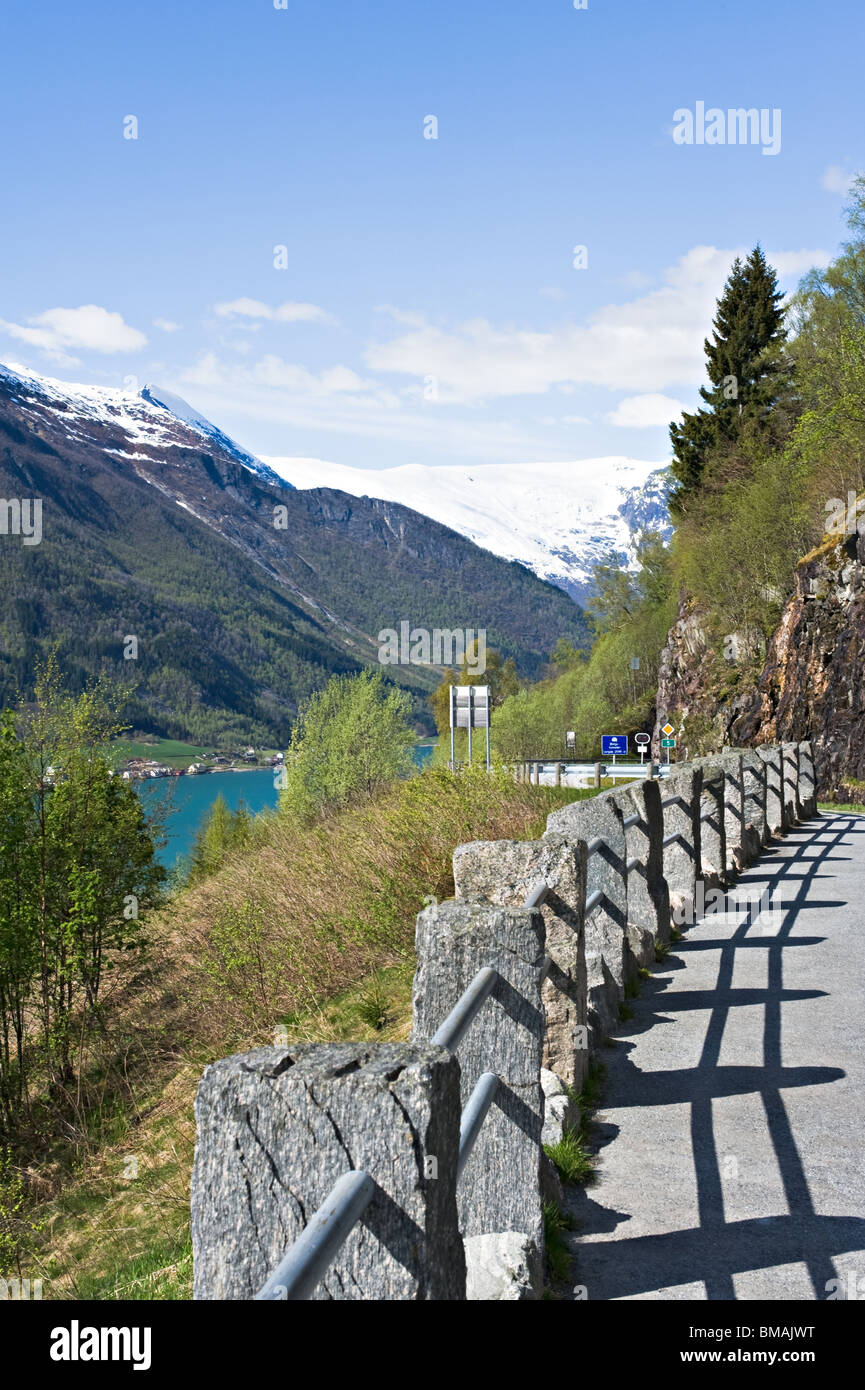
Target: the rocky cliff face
(811, 684)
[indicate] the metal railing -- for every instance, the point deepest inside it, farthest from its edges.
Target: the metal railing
(614, 772)
(307, 1261)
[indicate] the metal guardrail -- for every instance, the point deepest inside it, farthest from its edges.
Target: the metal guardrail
(474, 1114)
(305, 1264)
(462, 1015)
(669, 839)
(307, 1261)
(615, 772)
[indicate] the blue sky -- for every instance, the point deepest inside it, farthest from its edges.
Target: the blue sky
(429, 310)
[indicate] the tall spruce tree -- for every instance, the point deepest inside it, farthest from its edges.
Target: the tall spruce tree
(750, 395)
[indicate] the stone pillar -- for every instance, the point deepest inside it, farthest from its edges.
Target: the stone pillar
(648, 896)
(807, 781)
(680, 800)
(774, 789)
(757, 833)
(734, 812)
(790, 765)
(608, 957)
(504, 872)
(537, 776)
(499, 1192)
(277, 1127)
(713, 860)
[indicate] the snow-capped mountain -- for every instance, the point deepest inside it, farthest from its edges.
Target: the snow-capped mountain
(152, 523)
(151, 418)
(558, 519)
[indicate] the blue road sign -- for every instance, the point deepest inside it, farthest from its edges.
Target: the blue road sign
(612, 744)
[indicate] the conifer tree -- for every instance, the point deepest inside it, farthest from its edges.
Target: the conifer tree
(750, 395)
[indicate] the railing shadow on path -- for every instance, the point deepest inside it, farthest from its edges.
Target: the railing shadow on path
(716, 1249)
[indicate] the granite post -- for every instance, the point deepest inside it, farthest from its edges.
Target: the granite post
(277, 1127)
(505, 872)
(499, 1193)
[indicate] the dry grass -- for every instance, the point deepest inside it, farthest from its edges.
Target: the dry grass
(310, 932)
(305, 914)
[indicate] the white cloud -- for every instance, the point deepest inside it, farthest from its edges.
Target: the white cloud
(167, 325)
(406, 316)
(792, 264)
(290, 312)
(339, 401)
(273, 373)
(637, 280)
(642, 412)
(835, 180)
(645, 345)
(89, 327)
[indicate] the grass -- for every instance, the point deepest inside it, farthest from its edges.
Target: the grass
(572, 1158)
(309, 932)
(572, 1155)
(663, 948)
(163, 750)
(163, 1273)
(559, 1258)
(589, 1098)
(377, 1008)
(171, 752)
(575, 1164)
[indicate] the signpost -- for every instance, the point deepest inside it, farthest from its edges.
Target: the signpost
(668, 742)
(642, 741)
(470, 709)
(611, 744)
(571, 740)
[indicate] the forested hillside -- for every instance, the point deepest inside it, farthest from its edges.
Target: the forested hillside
(239, 612)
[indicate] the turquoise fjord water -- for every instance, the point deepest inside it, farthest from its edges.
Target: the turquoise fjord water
(189, 800)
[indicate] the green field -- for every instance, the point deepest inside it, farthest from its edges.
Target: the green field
(174, 753)
(171, 752)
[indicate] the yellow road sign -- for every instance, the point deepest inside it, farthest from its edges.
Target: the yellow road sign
(667, 729)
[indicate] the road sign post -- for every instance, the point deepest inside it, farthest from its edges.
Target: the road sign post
(611, 744)
(642, 741)
(470, 709)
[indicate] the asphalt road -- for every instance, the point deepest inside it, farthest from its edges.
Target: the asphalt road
(731, 1133)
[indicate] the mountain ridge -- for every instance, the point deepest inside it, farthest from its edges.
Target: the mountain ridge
(153, 527)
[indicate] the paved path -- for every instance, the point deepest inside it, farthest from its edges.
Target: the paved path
(731, 1134)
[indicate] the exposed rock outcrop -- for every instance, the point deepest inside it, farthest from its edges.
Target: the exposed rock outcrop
(811, 684)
